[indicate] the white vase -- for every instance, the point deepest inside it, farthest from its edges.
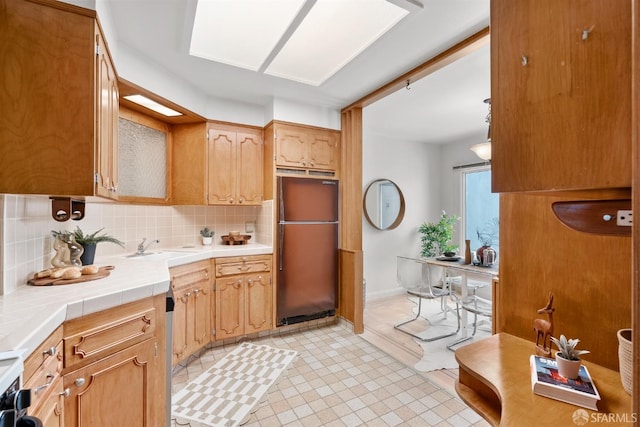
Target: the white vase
(568, 368)
(206, 241)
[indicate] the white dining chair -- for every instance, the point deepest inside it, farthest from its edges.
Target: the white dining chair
(424, 281)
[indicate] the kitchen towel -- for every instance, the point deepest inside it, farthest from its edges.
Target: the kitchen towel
(226, 393)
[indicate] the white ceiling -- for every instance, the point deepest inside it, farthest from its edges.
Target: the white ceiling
(443, 107)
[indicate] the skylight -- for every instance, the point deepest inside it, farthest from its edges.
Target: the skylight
(302, 40)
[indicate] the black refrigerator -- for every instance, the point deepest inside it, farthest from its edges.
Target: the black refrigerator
(307, 277)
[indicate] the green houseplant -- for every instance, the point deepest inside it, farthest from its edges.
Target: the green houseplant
(436, 236)
(568, 357)
(90, 241)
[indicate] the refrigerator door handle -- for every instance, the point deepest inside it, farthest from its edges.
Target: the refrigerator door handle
(281, 199)
(280, 244)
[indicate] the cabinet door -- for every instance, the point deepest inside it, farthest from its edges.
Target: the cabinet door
(291, 147)
(561, 94)
(201, 303)
(180, 324)
(143, 157)
(249, 168)
(221, 157)
(258, 306)
(115, 391)
(191, 285)
(107, 123)
(229, 307)
(323, 151)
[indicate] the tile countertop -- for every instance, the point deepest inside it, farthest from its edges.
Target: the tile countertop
(29, 314)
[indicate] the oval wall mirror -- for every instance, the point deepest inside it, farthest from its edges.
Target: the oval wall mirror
(383, 204)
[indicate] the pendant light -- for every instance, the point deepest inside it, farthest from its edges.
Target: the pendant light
(483, 150)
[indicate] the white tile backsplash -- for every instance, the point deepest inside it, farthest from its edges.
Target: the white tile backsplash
(26, 224)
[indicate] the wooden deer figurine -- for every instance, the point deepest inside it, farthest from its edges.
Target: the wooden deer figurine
(544, 329)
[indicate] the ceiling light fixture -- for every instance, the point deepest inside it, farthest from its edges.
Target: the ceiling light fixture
(483, 150)
(307, 41)
(152, 105)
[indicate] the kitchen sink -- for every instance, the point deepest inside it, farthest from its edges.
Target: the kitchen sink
(159, 255)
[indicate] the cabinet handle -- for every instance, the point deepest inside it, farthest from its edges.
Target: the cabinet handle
(524, 61)
(241, 200)
(50, 352)
(231, 200)
(304, 162)
(65, 393)
(79, 382)
(249, 281)
(188, 294)
(196, 292)
(50, 378)
(243, 267)
(312, 163)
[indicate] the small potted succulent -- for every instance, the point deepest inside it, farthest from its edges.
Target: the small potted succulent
(207, 236)
(567, 357)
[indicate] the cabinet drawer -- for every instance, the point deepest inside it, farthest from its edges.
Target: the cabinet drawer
(50, 349)
(241, 265)
(186, 275)
(44, 378)
(97, 335)
(48, 405)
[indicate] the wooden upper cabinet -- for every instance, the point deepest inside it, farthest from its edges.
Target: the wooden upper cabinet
(298, 146)
(235, 166)
(57, 101)
(560, 94)
(217, 164)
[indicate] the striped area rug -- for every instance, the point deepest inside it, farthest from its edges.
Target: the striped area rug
(226, 393)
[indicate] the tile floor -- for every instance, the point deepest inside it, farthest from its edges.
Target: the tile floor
(340, 379)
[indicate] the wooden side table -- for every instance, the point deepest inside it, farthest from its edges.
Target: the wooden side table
(495, 381)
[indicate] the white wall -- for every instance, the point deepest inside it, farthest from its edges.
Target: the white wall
(415, 168)
(424, 172)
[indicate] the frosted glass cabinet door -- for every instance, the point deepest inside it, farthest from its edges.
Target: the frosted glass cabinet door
(142, 153)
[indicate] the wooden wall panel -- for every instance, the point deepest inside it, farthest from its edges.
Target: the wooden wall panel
(590, 275)
(351, 271)
(635, 151)
(351, 298)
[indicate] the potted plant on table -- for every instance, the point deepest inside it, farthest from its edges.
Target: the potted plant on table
(436, 237)
(90, 241)
(207, 236)
(567, 357)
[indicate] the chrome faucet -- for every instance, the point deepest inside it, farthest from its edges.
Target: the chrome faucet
(142, 247)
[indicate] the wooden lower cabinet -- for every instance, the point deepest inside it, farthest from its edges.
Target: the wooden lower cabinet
(115, 391)
(192, 286)
(114, 366)
(244, 296)
(42, 375)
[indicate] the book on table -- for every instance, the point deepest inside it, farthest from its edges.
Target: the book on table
(546, 381)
